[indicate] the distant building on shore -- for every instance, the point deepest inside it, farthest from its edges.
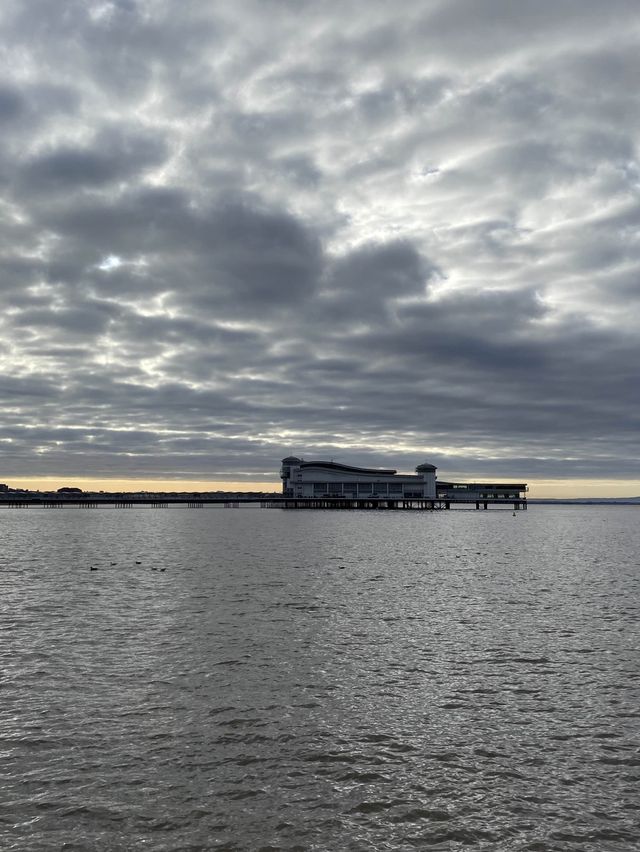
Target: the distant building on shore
(331, 479)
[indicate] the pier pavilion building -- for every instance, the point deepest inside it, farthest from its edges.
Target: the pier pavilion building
(331, 479)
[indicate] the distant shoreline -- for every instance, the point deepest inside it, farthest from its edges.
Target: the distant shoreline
(584, 501)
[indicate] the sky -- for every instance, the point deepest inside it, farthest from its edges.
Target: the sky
(378, 233)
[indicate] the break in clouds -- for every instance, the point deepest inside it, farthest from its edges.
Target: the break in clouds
(381, 234)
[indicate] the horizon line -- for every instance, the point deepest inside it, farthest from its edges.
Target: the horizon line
(539, 488)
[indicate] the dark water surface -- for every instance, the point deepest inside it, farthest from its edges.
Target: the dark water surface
(320, 680)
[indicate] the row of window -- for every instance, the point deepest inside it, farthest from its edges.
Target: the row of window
(482, 495)
(396, 488)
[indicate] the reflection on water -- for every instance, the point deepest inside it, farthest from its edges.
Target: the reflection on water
(320, 680)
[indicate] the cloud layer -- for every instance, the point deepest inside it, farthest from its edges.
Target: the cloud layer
(235, 230)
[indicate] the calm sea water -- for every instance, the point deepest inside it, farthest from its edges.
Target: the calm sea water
(266, 680)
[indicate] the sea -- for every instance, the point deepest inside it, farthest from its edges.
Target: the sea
(269, 679)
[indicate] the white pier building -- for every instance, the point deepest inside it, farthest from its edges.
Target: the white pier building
(330, 479)
(325, 479)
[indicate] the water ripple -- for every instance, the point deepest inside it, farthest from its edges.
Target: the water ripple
(320, 681)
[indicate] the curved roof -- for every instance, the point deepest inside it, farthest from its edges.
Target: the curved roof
(291, 460)
(347, 468)
(426, 466)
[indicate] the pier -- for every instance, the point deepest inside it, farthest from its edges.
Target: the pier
(402, 504)
(276, 501)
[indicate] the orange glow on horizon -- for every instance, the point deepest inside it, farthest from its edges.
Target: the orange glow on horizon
(52, 483)
(541, 488)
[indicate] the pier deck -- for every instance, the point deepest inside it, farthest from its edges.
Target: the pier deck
(275, 502)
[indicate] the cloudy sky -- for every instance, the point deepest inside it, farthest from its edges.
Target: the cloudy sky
(380, 233)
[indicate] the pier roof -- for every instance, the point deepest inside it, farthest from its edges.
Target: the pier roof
(347, 468)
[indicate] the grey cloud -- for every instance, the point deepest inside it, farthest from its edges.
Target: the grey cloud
(301, 169)
(115, 44)
(262, 255)
(113, 156)
(466, 29)
(89, 320)
(227, 230)
(12, 103)
(364, 283)
(33, 104)
(234, 257)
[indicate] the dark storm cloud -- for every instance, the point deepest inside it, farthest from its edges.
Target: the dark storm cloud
(229, 231)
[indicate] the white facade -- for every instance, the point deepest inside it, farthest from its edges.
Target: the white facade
(330, 479)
